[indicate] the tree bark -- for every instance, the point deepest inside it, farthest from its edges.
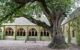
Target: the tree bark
(58, 40)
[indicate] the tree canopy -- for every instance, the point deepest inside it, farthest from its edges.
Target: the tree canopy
(9, 9)
(54, 10)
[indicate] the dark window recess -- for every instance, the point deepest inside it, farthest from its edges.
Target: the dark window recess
(21, 32)
(41, 33)
(6, 32)
(32, 32)
(73, 34)
(36, 33)
(17, 33)
(44, 33)
(9, 32)
(47, 33)
(29, 33)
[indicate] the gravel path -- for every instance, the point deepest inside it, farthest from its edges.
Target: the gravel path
(21, 45)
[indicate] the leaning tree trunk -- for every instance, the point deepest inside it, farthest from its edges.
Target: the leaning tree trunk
(58, 40)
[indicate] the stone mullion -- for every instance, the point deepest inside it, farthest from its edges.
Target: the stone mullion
(38, 33)
(46, 33)
(19, 33)
(34, 33)
(22, 32)
(15, 32)
(26, 33)
(31, 32)
(11, 33)
(49, 35)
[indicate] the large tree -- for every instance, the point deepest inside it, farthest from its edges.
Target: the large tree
(54, 10)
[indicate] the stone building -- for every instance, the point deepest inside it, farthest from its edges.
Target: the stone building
(22, 29)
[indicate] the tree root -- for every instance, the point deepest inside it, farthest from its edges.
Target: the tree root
(58, 46)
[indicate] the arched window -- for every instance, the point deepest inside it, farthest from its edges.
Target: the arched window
(44, 33)
(9, 31)
(21, 32)
(32, 32)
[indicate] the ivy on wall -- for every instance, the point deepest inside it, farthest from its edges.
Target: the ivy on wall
(76, 25)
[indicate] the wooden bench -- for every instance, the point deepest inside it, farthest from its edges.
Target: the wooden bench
(30, 39)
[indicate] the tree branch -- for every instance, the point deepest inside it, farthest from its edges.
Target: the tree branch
(46, 11)
(24, 1)
(60, 20)
(38, 22)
